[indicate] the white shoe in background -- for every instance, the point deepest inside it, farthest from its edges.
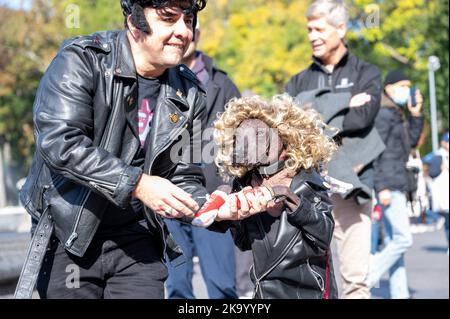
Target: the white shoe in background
(440, 223)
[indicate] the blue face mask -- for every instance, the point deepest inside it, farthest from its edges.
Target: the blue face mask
(401, 95)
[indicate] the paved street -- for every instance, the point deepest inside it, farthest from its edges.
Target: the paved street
(427, 264)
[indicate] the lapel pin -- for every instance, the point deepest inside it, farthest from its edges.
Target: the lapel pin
(179, 93)
(174, 118)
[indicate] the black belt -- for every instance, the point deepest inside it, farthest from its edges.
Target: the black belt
(35, 256)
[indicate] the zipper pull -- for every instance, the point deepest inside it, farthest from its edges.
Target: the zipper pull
(93, 184)
(255, 291)
(71, 239)
(102, 191)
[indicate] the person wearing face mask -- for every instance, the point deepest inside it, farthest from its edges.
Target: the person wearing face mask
(399, 123)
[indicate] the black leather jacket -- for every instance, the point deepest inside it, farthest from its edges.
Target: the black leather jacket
(291, 253)
(86, 135)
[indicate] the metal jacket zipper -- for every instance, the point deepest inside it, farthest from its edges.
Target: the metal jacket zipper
(278, 260)
(103, 142)
(316, 275)
(161, 226)
(74, 235)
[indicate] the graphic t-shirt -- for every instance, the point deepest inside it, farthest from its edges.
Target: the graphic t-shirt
(148, 92)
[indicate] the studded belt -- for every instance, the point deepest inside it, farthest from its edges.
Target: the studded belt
(35, 256)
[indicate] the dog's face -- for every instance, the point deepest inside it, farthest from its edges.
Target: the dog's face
(256, 144)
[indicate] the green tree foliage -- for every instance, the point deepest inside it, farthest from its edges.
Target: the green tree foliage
(30, 40)
(23, 59)
(437, 32)
(260, 43)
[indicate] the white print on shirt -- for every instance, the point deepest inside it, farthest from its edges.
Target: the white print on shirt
(344, 84)
(145, 120)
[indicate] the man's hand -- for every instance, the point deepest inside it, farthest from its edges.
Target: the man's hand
(416, 110)
(385, 197)
(164, 198)
(360, 99)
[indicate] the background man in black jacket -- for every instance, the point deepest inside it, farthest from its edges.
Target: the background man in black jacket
(346, 91)
(400, 135)
(215, 250)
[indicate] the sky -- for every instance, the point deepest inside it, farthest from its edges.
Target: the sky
(16, 4)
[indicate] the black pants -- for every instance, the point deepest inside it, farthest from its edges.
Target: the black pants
(119, 265)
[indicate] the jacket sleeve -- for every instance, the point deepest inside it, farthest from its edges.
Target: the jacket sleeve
(415, 129)
(383, 124)
(313, 216)
(294, 85)
(64, 127)
(362, 117)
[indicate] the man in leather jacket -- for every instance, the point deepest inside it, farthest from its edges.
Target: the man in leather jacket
(108, 103)
(279, 146)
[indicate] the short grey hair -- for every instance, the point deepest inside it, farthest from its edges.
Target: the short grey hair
(335, 11)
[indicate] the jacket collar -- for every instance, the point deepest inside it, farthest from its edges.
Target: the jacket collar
(210, 67)
(124, 63)
(343, 61)
(386, 101)
(173, 89)
(310, 176)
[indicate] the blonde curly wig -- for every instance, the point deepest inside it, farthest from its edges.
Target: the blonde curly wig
(301, 130)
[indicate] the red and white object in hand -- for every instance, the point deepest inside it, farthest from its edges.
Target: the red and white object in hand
(219, 202)
(208, 212)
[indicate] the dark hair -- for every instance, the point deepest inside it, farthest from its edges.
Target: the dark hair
(135, 8)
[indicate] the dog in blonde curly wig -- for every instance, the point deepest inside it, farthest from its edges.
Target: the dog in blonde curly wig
(281, 131)
(272, 141)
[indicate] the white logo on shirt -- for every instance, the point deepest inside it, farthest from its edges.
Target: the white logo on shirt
(344, 84)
